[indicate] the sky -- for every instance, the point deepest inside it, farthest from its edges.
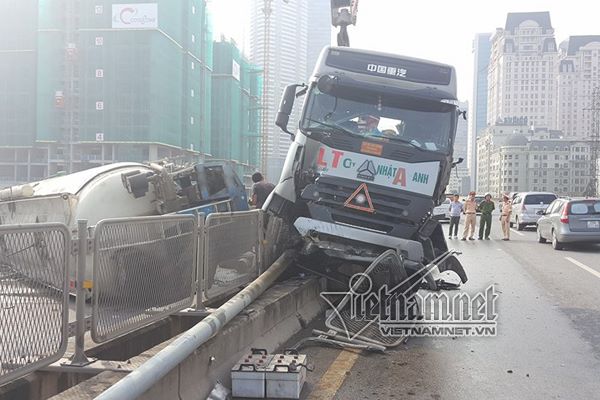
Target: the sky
(437, 30)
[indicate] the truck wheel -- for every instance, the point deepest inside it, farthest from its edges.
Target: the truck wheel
(556, 245)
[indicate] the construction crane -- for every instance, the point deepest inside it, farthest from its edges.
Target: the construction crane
(343, 13)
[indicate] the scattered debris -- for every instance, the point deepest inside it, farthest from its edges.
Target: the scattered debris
(219, 392)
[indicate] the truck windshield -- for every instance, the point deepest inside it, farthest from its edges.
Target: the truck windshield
(425, 124)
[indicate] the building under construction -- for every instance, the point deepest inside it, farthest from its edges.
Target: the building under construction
(237, 87)
(86, 83)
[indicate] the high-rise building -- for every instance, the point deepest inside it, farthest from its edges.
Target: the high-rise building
(514, 158)
(284, 61)
(110, 82)
(523, 70)
(236, 95)
(577, 77)
(319, 31)
(482, 48)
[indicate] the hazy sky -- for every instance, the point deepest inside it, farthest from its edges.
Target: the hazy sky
(439, 30)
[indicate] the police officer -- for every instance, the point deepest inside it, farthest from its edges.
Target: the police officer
(505, 212)
(486, 207)
(470, 211)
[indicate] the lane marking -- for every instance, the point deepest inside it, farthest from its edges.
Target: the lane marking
(335, 375)
(517, 232)
(584, 267)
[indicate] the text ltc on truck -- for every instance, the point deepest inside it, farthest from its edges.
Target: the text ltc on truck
(369, 162)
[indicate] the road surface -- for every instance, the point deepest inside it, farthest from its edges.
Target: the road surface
(547, 346)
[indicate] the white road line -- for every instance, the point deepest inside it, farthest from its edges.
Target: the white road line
(517, 232)
(583, 266)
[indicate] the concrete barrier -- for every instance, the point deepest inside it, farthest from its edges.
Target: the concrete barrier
(272, 319)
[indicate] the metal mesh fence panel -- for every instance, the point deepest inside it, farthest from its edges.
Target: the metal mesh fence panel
(232, 251)
(144, 270)
(387, 269)
(34, 261)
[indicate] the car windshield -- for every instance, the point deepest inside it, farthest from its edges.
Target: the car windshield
(539, 199)
(427, 125)
(585, 207)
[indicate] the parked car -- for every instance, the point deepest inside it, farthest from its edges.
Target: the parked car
(570, 221)
(526, 205)
(442, 212)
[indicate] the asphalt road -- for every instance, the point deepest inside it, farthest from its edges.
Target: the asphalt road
(547, 345)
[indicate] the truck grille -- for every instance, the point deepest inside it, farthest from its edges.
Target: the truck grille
(390, 208)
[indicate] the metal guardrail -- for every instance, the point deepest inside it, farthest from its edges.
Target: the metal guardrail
(34, 260)
(144, 270)
(232, 251)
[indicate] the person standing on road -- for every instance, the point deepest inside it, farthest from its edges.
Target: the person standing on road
(456, 208)
(470, 211)
(260, 190)
(505, 212)
(486, 207)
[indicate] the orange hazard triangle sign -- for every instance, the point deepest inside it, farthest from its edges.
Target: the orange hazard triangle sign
(364, 191)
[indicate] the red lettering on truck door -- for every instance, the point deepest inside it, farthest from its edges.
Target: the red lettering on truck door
(320, 161)
(400, 177)
(336, 157)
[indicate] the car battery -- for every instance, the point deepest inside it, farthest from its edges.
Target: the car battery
(285, 375)
(248, 375)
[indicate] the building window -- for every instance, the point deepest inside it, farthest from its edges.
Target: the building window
(191, 120)
(193, 9)
(193, 38)
(193, 65)
(192, 94)
(99, 41)
(99, 105)
(99, 10)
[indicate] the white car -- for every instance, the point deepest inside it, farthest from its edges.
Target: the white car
(442, 212)
(526, 205)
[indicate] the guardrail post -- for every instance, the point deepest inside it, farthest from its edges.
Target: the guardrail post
(199, 306)
(79, 358)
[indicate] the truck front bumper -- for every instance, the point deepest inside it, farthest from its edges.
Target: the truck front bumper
(308, 227)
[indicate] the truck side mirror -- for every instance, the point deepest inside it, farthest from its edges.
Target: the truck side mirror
(455, 163)
(286, 106)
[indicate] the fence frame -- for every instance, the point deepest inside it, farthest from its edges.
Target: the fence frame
(95, 334)
(66, 251)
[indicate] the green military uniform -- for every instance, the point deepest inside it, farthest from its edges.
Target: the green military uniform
(485, 222)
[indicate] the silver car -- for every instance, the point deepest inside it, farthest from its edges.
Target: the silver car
(526, 205)
(570, 221)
